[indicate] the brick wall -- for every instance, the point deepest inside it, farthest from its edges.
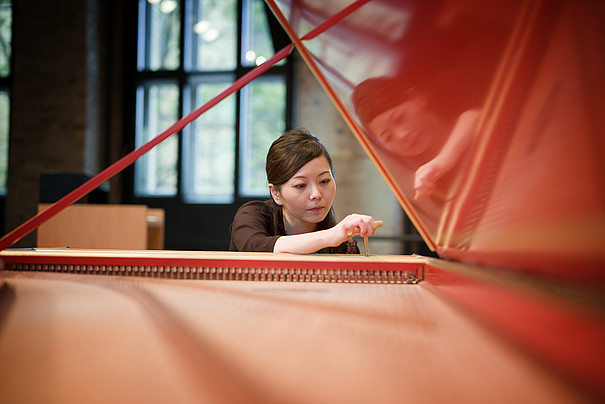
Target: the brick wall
(56, 103)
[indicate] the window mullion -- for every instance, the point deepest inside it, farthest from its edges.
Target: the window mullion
(238, 102)
(183, 108)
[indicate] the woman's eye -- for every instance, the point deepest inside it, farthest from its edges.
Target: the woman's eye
(299, 186)
(326, 181)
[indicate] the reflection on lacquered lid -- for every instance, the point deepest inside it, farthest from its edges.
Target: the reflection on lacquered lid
(485, 119)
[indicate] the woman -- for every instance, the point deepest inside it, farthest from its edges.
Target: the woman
(299, 217)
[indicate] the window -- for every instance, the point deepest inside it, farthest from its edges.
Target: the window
(5, 72)
(188, 52)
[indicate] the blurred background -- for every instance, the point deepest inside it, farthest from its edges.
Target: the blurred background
(84, 82)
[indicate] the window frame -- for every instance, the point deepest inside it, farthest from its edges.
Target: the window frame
(5, 87)
(176, 206)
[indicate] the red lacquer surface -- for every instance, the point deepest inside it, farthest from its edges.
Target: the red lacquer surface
(562, 333)
(485, 118)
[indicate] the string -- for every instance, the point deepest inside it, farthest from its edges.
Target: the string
(36, 221)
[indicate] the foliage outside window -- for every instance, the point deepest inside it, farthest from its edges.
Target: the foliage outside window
(6, 22)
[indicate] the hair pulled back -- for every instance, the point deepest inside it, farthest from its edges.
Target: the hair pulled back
(290, 152)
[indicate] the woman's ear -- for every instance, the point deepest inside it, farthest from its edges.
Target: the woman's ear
(275, 194)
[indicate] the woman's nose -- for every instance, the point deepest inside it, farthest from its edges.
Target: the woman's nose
(315, 192)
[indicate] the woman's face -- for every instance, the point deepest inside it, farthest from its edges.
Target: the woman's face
(307, 197)
(405, 129)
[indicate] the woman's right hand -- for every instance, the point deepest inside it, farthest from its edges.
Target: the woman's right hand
(354, 224)
(306, 243)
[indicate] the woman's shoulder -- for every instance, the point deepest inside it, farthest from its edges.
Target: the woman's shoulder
(254, 228)
(257, 206)
(258, 211)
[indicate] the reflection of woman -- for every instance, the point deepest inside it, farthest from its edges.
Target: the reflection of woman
(299, 218)
(410, 125)
(428, 110)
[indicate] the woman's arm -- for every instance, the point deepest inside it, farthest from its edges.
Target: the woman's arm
(307, 243)
(460, 139)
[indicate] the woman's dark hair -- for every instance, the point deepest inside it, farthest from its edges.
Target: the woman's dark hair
(288, 154)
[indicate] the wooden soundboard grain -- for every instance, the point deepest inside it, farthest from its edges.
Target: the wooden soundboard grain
(68, 338)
